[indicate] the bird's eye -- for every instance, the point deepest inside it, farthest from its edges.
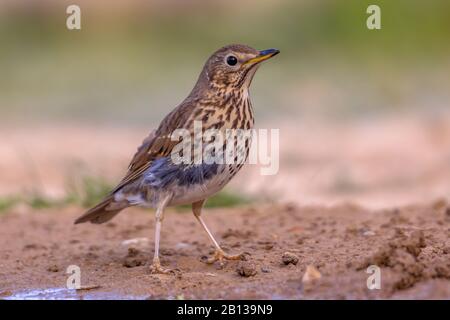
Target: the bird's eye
(231, 60)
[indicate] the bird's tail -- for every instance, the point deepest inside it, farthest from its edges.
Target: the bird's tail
(104, 211)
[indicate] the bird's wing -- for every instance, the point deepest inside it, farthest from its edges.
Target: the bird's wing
(158, 144)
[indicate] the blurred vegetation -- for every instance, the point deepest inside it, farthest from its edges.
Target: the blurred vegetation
(223, 199)
(226, 199)
(88, 191)
(133, 66)
(8, 202)
(84, 192)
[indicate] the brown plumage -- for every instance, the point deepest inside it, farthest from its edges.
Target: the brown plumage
(220, 100)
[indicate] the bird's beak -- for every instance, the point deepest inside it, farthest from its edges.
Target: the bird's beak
(263, 55)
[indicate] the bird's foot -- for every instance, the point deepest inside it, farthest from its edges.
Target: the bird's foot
(220, 256)
(156, 268)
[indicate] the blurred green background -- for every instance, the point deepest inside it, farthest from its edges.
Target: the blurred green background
(133, 61)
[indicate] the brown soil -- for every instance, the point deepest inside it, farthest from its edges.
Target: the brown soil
(399, 164)
(410, 244)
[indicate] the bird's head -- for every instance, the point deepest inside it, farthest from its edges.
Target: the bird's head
(234, 66)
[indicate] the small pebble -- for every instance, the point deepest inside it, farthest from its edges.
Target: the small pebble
(246, 269)
(132, 252)
(311, 274)
(132, 262)
(289, 258)
(53, 268)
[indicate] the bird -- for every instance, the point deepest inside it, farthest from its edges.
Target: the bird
(219, 100)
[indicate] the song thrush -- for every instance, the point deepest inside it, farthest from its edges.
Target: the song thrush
(220, 99)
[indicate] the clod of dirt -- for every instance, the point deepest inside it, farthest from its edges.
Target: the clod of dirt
(446, 249)
(388, 254)
(401, 254)
(246, 269)
(134, 258)
(133, 262)
(267, 244)
(301, 240)
(311, 274)
(34, 246)
(167, 252)
(245, 256)
(53, 268)
(133, 252)
(415, 242)
(289, 258)
(238, 234)
(91, 255)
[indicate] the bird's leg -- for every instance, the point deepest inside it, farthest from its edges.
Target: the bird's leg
(219, 254)
(156, 265)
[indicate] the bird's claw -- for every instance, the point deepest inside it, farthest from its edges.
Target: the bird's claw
(156, 268)
(220, 256)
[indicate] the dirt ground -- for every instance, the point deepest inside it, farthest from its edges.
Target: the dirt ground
(411, 245)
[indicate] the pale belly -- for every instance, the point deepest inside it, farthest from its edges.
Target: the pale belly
(186, 184)
(192, 193)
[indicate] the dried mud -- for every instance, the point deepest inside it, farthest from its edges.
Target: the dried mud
(410, 245)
